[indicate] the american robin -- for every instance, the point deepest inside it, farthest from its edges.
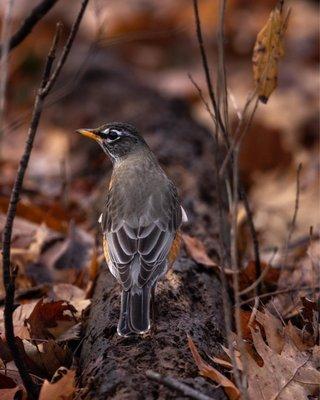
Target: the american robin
(140, 221)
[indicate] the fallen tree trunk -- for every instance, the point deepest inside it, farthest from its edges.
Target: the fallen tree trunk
(188, 302)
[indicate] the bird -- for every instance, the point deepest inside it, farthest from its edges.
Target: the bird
(140, 221)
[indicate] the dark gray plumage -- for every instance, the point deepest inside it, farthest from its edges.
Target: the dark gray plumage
(140, 219)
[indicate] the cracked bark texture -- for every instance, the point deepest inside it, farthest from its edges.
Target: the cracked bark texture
(188, 301)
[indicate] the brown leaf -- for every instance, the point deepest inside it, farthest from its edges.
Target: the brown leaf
(50, 319)
(7, 382)
(16, 393)
(73, 254)
(197, 251)
(210, 372)
(273, 329)
(33, 213)
(67, 292)
(301, 339)
(248, 276)
(267, 51)
(20, 315)
(285, 376)
(63, 389)
(48, 356)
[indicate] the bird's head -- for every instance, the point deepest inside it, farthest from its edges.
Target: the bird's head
(117, 139)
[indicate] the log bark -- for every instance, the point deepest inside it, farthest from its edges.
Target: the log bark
(188, 302)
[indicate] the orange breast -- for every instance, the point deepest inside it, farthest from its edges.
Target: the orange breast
(106, 249)
(175, 248)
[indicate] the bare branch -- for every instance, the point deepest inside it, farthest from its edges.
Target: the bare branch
(222, 76)
(202, 98)
(207, 72)
(5, 33)
(242, 128)
(178, 386)
(281, 291)
(254, 235)
(8, 275)
(66, 49)
(29, 23)
(295, 213)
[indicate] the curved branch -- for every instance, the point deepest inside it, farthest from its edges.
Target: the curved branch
(29, 23)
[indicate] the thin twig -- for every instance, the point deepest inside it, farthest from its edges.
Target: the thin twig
(37, 13)
(280, 291)
(295, 214)
(178, 386)
(222, 76)
(8, 275)
(205, 66)
(242, 128)
(5, 33)
(8, 278)
(254, 312)
(234, 264)
(206, 105)
(224, 253)
(254, 235)
(66, 49)
(256, 282)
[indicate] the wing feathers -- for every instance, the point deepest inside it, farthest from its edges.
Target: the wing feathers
(139, 245)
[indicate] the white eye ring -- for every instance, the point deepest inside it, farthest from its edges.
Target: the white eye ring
(109, 140)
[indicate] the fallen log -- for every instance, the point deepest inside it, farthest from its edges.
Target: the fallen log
(188, 301)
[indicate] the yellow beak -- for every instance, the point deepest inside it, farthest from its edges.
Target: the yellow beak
(88, 133)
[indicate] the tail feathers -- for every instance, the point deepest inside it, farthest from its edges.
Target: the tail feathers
(135, 311)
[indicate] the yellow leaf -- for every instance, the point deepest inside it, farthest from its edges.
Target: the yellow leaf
(210, 372)
(267, 51)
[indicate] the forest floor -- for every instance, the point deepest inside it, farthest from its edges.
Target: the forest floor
(131, 71)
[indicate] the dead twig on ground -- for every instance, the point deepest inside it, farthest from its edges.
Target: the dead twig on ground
(47, 83)
(178, 386)
(36, 14)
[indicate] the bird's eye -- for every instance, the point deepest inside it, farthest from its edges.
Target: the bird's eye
(113, 135)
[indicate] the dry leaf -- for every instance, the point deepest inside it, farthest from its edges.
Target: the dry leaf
(248, 275)
(197, 251)
(67, 292)
(50, 319)
(210, 372)
(16, 393)
(273, 329)
(48, 356)
(63, 389)
(286, 376)
(73, 295)
(267, 51)
(301, 339)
